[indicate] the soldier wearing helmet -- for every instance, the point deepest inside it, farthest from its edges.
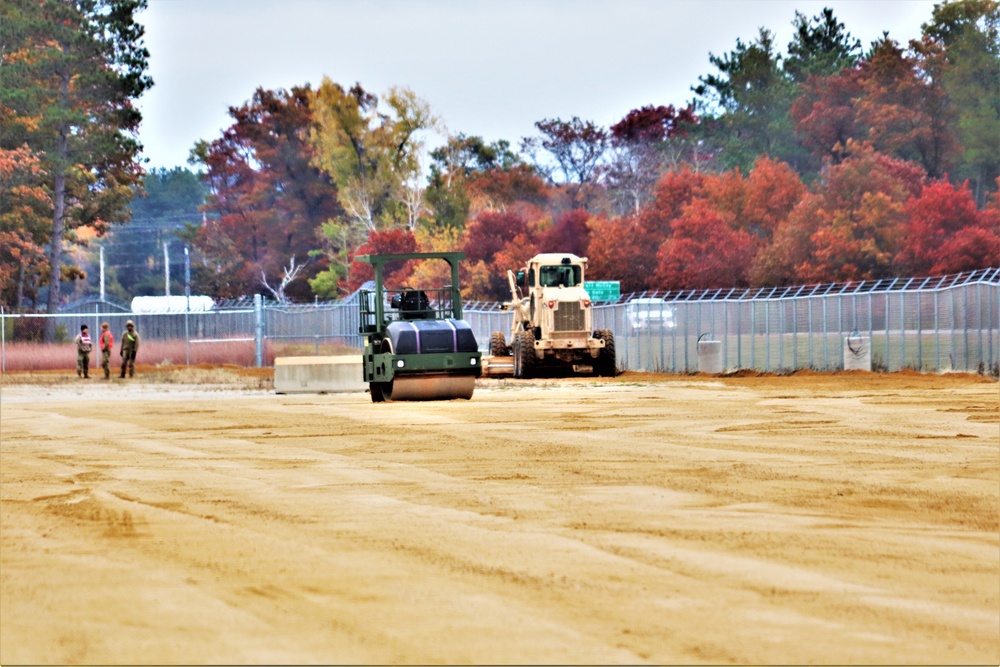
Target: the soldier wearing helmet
(130, 345)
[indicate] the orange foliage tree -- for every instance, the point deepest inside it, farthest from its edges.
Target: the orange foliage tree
(849, 228)
(904, 105)
(622, 249)
(704, 251)
(25, 208)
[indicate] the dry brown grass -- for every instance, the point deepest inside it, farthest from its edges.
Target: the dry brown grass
(227, 376)
(62, 356)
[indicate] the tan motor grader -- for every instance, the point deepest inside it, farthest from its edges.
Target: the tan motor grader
(552, 320)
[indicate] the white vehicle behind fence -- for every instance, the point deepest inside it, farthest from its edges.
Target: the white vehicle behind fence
(649, 314)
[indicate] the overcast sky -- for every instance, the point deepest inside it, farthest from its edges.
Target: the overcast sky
(487, 68)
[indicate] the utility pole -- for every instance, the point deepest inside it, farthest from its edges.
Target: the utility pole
(166, 268)
(187, 311)
(102, 273)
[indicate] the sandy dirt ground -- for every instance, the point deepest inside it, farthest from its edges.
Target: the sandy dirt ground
(849, 518)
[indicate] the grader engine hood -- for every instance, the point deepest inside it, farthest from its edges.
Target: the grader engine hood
(565, 309)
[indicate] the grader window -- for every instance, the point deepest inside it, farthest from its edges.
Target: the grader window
(559, 276)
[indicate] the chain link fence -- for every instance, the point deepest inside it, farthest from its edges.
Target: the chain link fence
(926, 324)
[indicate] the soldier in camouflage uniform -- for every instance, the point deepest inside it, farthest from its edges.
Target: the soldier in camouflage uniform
(106, 343)
(83, 347)
(130, 345)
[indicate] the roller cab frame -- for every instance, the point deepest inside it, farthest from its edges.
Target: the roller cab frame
(417, 347)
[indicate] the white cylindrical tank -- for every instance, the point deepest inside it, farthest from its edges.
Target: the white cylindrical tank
(710, 357)
(857, 353)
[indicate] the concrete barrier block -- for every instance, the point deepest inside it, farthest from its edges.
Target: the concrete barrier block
(318, 375)
(710, 357)
(857, 353)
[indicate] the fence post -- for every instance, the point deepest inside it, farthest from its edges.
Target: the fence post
(767, 335)
(258, 313)
(871, 316)
(888, 369)
(937, 334)
(979, 320)
(686, 332)
(826, 332)
(3, 341)
(920, 332)
(902, 330)
(673, 340)
(951, 298)
(97, 332)
(781, 334)
(965, 323)
(795, 333)
(663, 353)
(725, 334)
(989, 331)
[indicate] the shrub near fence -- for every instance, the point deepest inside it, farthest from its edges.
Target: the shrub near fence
(929, 324)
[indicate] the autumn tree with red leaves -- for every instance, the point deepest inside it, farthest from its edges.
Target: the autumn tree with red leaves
(825, 114)
(490, 232)
(568, 233)
(389, 242)
(639, 152)
(267, 201)
(946, 233)
(485, 240)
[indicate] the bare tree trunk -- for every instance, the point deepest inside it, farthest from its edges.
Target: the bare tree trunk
(55, 252)
(58, 225)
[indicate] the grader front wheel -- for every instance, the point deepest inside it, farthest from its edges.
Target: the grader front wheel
(607, 363)
(524, 354)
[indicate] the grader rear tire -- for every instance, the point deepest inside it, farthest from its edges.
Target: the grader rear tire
(498, 345)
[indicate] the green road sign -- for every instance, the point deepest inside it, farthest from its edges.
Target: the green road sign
(603, 290)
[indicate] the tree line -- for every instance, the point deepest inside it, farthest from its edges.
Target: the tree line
(823, 162)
